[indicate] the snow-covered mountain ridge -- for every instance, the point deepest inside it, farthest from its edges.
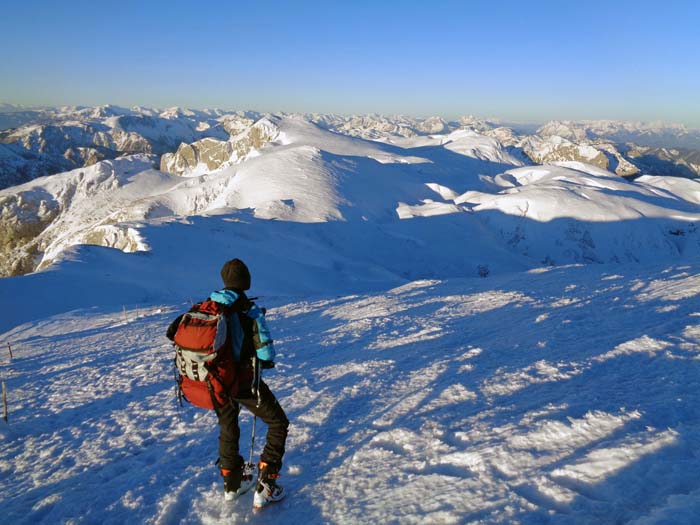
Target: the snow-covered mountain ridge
(393, 192)
(50, 140)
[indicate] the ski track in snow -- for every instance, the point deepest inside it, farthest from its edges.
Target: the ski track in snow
(568, 395)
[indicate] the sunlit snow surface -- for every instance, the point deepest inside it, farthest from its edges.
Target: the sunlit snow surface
(566, 395)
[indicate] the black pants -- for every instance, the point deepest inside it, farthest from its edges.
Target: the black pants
(270, 412)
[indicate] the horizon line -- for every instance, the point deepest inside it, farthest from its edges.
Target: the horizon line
(503, 120)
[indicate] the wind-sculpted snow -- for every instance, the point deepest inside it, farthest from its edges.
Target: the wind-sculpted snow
(564, 396)
(578, 213)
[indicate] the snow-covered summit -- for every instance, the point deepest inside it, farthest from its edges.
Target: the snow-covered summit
(302, 169)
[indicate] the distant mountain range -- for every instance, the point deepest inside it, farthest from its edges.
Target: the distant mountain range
(42, 141)
(60, 139)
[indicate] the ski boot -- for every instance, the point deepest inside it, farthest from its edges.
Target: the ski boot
(237, 481)
(267, 490)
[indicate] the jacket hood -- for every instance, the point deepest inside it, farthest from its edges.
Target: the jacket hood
(226, 297)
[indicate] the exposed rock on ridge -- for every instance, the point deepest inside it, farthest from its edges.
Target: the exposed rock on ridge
(210, 154)
(35, 218)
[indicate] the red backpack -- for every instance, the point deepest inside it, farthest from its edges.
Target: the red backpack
(206, 371)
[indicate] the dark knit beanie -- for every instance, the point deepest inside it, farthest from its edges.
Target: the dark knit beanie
(235, 275)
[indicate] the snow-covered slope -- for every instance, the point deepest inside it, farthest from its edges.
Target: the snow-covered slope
(577, 212)
(564, 396)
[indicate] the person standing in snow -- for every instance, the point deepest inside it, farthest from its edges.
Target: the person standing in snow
(251, 350)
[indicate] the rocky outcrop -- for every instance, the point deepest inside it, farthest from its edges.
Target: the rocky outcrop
(617, 163)
(203, 155)
(630, 147)
(88, 156)
(39, 219)
(626, 160)
(558, 149)
(208, 155)
(23, 217)
(432, 126)
(235, 124)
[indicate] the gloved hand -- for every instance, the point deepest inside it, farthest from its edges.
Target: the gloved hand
(266, 365)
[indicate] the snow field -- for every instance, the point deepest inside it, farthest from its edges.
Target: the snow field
(564, 395)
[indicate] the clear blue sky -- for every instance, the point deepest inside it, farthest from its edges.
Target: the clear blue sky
(526, 61)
